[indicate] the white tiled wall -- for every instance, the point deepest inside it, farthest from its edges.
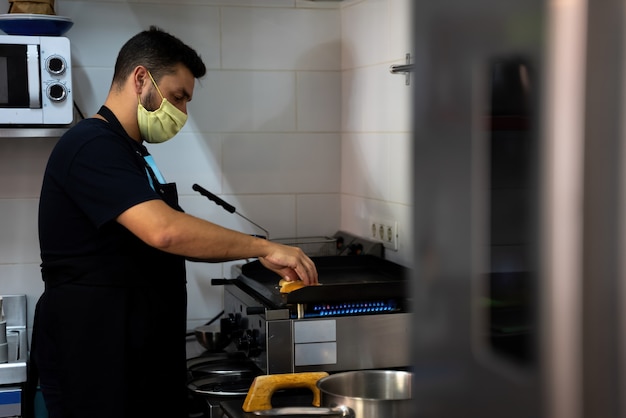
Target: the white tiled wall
(298, 122)
(376, 124)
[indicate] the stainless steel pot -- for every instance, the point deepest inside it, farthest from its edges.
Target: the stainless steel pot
(212, 341)
(358, 394)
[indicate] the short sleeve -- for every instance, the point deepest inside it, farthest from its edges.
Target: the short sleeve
(105, 178)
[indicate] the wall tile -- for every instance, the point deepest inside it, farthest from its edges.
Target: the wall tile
(319, 101)
(19, 241)
(281, 163)
(364, 33)
(400, 30)
(285, 39)
(377, 166)
(22, 164)
(101, 28)
(375, 31)
(91, 87)
(318, 214)
(245, 101)
(203, 299)
(365, 165)
(274, 213)
(203, 208)
(400, 163)
(319, 4)
(373, 99)
(190, 158)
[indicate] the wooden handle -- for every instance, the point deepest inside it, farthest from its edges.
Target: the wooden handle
(263, 387)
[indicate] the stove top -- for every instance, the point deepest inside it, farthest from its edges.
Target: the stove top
(348, 285)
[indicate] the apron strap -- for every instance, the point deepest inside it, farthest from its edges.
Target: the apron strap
(167, 191)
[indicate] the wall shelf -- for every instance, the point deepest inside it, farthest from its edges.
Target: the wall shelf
(39, 131)
(34, 132)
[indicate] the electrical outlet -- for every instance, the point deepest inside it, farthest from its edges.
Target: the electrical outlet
(385, 232)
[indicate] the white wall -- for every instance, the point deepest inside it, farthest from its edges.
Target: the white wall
(298, 123)
(376, 107)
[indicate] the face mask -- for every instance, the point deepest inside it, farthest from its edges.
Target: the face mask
(161, 124)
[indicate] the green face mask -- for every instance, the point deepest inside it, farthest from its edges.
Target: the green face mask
(162, 124)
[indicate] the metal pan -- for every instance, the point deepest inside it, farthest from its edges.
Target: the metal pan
(357, 394)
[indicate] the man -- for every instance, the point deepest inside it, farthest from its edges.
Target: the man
(109, 329)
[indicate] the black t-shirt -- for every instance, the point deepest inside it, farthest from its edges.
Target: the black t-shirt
(109, 330)
(93, 175)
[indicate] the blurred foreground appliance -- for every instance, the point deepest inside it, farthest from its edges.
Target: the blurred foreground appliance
(519, 293)
(35, 81)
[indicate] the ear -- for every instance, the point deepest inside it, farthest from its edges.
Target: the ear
(140, 77)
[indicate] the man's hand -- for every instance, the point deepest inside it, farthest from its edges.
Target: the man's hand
(290, 263)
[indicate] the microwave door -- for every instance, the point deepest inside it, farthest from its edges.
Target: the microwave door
(20, 83)
(34, 82)
(15, 73)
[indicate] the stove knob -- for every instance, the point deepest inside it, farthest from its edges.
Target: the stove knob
(255, 348)
(356, 249)
(230, 324)
(255, 310)
(249, 343)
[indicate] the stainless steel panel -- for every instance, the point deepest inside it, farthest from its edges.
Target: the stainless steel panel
(278, 356)
(312, 354)
(369, 342)
(315, 331)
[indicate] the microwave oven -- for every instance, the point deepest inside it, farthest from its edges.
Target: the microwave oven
(35, 81)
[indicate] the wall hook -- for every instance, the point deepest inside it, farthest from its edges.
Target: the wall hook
(404, 69)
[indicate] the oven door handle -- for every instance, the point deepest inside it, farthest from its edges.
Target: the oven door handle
(341, 411)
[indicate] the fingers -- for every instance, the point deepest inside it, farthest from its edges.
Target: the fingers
(308, 272)
(292, 264)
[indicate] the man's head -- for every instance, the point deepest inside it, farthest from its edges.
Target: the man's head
(153, 81)
(159, 52)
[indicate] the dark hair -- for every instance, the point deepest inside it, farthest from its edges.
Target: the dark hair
(159, 52)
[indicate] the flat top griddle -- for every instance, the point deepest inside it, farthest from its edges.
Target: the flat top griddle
(343, 279)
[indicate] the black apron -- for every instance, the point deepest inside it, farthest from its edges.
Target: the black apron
(116, 345)
(167, 191)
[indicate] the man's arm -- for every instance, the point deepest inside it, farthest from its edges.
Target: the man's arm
(164, 228)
